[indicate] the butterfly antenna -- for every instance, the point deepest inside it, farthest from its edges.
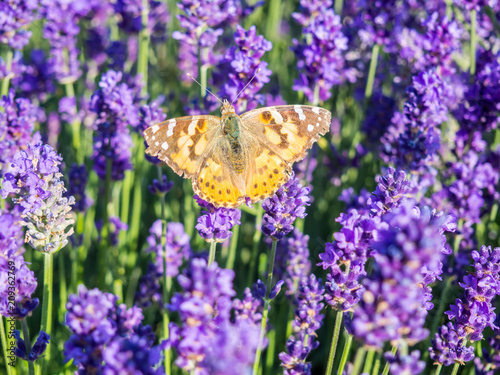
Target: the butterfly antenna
(215, 96)
(243, 89)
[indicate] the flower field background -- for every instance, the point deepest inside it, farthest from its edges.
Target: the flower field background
(380, 254)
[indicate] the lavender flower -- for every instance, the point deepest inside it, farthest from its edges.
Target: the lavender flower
(161, 188)
(405, 364)
(472, 313)
(24, 286)
(412, 141)
(321, 61)
(250, 308)
(215, 223)
(376, 21)
(114, 105)
(36, 351)
(77, 177)
(307, 321)
(36, 182)
(231, 350)
(203, 306)
(17, 122)
(130, 12)
(177, 249)
(16, 16)
(37, 79)
(292, 262)
(239, 64)
(281, 210)
(96, 321)
(475, 4)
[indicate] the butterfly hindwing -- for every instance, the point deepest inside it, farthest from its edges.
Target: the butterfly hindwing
(216, 181)
(183, 142)
(288, 130)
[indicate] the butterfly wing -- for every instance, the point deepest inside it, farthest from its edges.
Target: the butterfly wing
(217, 182)
(183, 142)
(288, 130)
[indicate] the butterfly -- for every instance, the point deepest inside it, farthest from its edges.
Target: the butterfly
(237, 159)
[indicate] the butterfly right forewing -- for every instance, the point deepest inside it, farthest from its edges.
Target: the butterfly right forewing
(183, 142)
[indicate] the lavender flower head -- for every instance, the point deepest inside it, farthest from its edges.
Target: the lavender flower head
(16, 16)
(95, 321)
(36, 351)
(321, 60)
(36, 182)
(281, 210)
(77, 177)
(114, 104)
(17, 122)
(215, 224)
(203, 307)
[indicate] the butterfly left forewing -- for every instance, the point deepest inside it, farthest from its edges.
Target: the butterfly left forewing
(288, 130)
(183, 142)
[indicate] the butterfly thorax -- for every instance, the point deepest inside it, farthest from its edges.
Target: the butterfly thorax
(232, 126)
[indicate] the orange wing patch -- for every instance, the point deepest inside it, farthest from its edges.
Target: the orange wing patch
(217, 183)
(266, 175)
(182, 142)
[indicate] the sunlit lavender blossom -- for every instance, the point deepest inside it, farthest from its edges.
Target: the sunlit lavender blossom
(95, 320)
(413, 139)
(346, 256)
(215, 224)
(405, 364)
(393, 306)
(203, 306)
(376, 21)
(114, 104)
(250, 307)
(17, 121)
(308, 319)
(490, 359)
(16, 17)
(472, 313)
(286, 205)
(321, 61)
(36, 183)
(149, 115)
(36, 351)
(239, 64)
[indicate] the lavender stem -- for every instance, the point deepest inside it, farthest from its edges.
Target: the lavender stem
(335, 339)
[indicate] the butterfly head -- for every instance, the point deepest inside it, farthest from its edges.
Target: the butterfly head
(227, 108)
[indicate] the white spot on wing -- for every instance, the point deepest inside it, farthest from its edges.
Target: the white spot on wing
(192, 127)
(310, 128)
(320, 119)
(277, 117)
(157, 143)
(155, 129)
(300, 112)
(164, 145)
(170, 132)
(153, 137)
(316, 110)
(317, 124)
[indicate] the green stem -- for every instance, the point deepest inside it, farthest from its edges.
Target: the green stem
(270, 351)
(455, 369)
(369, 361)
(137, 205)
(211, 255)
(105, 254)
(339, 4)
(387, 366)
(8, 67)
(376, 366)
(358, 360)
(27, 343)
(63, 288)
(345, 354)
(335, 339)
(76, 125)
(255, 246)
(232, 248)
(371, 72)
(263, 323)
(46, 325)
(166, 295)
(438, 369)
(10, 369)
(142, 58)
(473, 42)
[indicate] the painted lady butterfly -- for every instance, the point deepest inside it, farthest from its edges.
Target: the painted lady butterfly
(234, 159)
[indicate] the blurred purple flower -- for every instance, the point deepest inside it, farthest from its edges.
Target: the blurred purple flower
(204, 306)
(405, 364)
(114, 104)
(215, 224)
(17, 122)
(16, 17)
(36, 182)
(77, 182)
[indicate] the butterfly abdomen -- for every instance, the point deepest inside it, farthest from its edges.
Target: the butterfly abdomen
(236, 156)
